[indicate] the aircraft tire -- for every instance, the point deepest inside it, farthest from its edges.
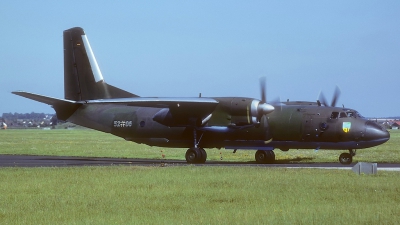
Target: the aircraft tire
(345, 158)
(203, 155)
(194, 155)
(265, 157)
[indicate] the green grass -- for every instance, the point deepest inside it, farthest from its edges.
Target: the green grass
(189, 194)
(196, 195)
(85, 142)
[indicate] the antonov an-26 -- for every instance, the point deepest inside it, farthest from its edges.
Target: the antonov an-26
(196, 123)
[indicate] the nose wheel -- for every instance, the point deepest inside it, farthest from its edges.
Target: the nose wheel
(347, 158)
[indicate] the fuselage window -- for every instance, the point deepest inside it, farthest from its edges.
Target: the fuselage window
(334, 115)
(342, 115)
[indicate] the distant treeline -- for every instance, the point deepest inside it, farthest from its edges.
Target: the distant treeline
(26, 116)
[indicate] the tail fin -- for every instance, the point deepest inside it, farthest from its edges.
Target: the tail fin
(82, 77)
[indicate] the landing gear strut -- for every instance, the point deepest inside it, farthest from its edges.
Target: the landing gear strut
(195, 154)
(347, 158)
(265, 157)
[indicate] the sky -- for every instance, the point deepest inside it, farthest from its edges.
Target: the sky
(217, 48)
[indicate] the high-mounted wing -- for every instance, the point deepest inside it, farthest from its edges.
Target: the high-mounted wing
(155, 102)
(175, 111)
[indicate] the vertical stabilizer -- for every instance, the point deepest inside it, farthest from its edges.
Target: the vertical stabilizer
(83, 79)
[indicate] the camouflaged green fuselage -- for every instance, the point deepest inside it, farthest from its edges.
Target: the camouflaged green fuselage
(301, 125)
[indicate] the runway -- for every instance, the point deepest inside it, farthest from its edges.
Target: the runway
(68, 161)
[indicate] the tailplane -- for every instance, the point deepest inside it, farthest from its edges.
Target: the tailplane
(83, 79)
(64, 108)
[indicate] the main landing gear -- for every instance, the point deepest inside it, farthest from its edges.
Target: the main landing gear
(347, 158)
(195, 154)
(265, 157)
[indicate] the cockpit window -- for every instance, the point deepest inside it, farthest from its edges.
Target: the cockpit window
(354, 114)
(350, 114)
(334, 115)
(342, 115)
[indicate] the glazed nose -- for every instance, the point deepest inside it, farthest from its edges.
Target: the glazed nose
(375, 132)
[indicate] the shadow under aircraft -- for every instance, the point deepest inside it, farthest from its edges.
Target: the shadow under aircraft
(196, 123)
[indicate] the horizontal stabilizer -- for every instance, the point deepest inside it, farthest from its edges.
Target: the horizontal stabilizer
(42, 98)
(64, 108)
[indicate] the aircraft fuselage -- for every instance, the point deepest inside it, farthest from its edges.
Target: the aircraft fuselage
(230, 126)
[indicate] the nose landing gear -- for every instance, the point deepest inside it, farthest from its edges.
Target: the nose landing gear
(347, 158)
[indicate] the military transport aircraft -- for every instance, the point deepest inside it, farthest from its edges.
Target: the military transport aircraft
(200, 122)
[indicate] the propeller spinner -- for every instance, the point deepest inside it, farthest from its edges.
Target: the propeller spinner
(261, 108)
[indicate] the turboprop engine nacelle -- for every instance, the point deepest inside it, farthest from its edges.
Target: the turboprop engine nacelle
(259, 109)
(247, 111)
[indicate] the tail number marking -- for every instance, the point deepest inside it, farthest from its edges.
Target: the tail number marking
(122, 123)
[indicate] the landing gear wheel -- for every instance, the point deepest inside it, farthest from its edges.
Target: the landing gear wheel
(203, 155)
(345, 158)
(265, 157)
(195, 155)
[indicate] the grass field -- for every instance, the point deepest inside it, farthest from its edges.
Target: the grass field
(189, 194)
(196, 195)
(85, 142)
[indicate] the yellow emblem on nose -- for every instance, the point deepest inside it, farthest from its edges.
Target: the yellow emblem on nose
(346, 127)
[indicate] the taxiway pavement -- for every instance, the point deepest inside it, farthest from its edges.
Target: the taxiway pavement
(66, 161)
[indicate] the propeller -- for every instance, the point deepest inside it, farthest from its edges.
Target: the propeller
(336, 95)
(277, 102)
(264, 108)
(263, 88)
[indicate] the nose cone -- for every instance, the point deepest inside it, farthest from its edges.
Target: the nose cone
(376, 133)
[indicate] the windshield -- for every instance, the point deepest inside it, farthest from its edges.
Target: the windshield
(351, 114)
(359, 115)
(354, 114)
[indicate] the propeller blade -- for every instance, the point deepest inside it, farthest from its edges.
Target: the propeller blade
(263, 108)
(322, 99)
(335, 96)
(277, 101)
(263, 90)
